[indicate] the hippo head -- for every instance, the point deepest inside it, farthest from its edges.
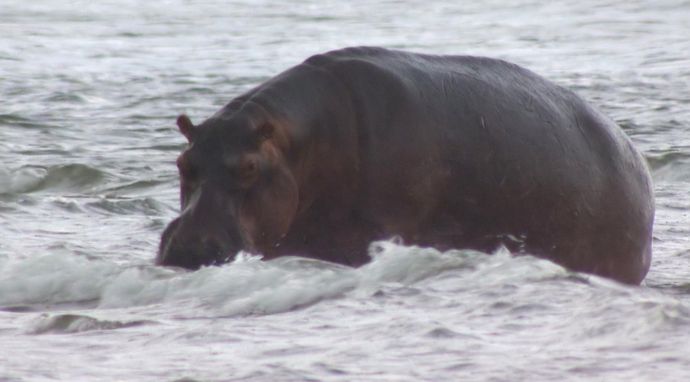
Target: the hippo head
(236, 192)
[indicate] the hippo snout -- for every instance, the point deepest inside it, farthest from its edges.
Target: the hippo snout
(192, 256)
(192, 250)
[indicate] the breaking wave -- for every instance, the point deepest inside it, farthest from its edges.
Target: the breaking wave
(247, 286)
(64, 177)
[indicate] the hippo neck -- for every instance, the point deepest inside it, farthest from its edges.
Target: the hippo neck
(317, 113)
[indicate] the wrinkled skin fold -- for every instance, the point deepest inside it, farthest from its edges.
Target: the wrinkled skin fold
(362, 144)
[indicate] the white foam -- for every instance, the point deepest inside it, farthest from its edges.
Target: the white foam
(394, 262)
(53, 279)
(246, 286)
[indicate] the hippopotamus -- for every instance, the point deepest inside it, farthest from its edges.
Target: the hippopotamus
(451, 152)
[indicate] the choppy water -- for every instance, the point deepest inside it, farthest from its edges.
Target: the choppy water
(89, 92)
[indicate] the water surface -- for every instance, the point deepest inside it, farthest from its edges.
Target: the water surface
(89, 92)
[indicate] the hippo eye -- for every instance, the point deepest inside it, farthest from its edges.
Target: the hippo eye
(185, 169)
(248, 169)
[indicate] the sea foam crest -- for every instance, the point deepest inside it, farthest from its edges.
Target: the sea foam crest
(246, 286)
(53, 279)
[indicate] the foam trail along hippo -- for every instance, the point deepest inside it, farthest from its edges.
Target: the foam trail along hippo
(362, 144)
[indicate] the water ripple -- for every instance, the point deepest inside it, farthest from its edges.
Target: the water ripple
(67, 177)
(76, 323)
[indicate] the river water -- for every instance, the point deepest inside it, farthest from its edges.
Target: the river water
(89, 92)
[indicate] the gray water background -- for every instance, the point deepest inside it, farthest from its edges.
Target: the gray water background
(89, 92)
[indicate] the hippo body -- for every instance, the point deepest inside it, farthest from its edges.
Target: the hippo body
(362, 144)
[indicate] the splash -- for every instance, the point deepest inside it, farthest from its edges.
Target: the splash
(249, 286)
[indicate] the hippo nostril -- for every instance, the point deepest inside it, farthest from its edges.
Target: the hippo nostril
(213, 252)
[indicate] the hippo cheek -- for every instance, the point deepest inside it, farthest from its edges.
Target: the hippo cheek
(267, 214)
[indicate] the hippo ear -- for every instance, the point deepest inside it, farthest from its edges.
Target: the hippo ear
(265, 131)
(186, 126)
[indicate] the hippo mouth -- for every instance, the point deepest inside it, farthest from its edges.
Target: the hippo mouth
(194, 258)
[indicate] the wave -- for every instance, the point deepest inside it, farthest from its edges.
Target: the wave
(128, 206)
(20, 121)
(51, 280)
(670, 166)
(71, 294)
(63, 177)
(75, 323)
(249, 286)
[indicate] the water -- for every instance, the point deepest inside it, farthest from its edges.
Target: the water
(89, 92)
